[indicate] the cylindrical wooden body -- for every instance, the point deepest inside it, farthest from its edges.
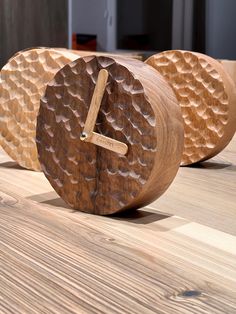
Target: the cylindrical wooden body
(22, 83)
(138, 108)
(207, 96)
(230, 67)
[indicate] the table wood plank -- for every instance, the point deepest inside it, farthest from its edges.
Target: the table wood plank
(177, 255)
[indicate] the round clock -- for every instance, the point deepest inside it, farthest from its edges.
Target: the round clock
(22, 83)
(109, 134)
(207, 97)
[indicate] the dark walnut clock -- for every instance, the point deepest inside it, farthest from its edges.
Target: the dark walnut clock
(109, 134)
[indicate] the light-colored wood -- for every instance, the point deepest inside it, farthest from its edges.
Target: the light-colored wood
(22, 83)
(96, 102)
(207, 97)
(108, 143)
(87, 134)
(230, 67)
(135, 110)
(133, 55)
(55, 260)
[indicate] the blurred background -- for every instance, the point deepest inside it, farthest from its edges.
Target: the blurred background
(142, 27)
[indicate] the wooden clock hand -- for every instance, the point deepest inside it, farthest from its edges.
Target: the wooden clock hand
(88, 135)
(95, 103)
(108, 143)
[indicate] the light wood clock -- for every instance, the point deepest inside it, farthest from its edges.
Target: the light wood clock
(109, 134)
(22, 83)
(207, 97)
(230, 67)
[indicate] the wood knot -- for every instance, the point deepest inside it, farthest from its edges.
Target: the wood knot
(190, 294)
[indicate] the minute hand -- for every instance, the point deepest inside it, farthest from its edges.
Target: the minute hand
(88, 134)
(95, 103)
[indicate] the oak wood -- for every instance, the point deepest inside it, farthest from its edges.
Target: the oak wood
(22, 83)
(87, 134)
(186, 197)
(132, 55)
(96, 101)
(230, 67)
(135, 110)
(54, 260)
(207, 97)
(108, 143)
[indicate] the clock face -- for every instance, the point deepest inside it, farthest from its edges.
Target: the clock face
(97, 179)
(22, 83)
(206, 95)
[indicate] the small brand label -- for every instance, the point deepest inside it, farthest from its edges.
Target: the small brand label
(104, 142)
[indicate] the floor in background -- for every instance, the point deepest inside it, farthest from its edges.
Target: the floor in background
(177, 255)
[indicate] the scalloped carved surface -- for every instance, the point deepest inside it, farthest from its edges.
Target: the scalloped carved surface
(133, 111)
(22, 83)
(207, 98)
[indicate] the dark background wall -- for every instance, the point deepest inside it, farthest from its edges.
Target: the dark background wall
(150, 17)
(29, 23)
(160, 26)
(221, 28)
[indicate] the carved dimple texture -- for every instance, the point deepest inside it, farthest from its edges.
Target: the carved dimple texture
(200, 90)
(88, 177)
(22, 83)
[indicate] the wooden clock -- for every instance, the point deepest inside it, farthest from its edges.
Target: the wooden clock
(230, 67)
(22, 83)
(207, 98)
(109, 134)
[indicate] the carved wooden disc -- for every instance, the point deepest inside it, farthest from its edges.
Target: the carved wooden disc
(134, 110)
(230, 67)
(207, 98)
(22, 83)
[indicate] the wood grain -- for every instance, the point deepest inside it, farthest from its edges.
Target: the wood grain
(88, 134)
(205, 193)
(56, 260)
(135, 111)
(22, 83)
(96, 102)
(125, 54)
(108, 143)
(230, 67)
(207, 97)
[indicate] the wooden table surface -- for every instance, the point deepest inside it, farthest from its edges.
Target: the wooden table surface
(177, 255)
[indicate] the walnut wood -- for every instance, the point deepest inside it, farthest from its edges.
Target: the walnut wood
(22, 83)
(207, 98)
(134, 110)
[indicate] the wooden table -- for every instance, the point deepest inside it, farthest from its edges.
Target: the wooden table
(177, 255)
